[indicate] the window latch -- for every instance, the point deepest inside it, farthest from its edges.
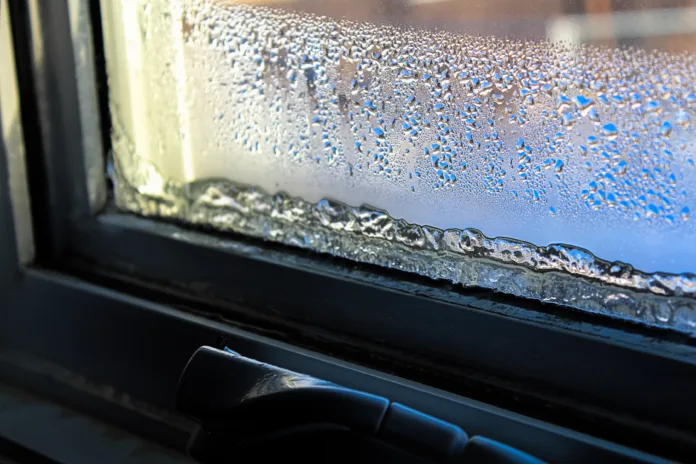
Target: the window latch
(248, 408)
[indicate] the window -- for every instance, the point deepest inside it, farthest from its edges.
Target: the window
(554, 164)
(102, 303)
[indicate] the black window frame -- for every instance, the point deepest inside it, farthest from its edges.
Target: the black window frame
(122, 302)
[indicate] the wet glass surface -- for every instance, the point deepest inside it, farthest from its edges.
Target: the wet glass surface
(544, 149)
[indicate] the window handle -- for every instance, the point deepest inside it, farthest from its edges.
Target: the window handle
(241, 403)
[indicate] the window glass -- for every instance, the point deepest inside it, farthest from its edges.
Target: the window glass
(543, 148)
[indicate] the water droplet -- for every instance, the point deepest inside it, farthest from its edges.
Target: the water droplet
(562, 103)
(568, 119)
(683, 119)
(592, 114)
(486, 88)
(621, 167)
(666, 129)
(685, 213)
(653, 107)
(610, 131)
(584, 104)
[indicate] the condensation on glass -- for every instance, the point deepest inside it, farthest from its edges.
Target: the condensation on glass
(544, 149)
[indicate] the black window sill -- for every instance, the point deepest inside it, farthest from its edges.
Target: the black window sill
(134, 350)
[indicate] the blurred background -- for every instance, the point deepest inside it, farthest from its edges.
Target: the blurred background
(668, 25)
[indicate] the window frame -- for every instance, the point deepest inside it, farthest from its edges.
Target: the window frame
(108, 300)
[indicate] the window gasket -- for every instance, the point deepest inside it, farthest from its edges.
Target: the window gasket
(551, 353)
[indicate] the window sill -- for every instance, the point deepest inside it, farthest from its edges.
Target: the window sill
(139, 348)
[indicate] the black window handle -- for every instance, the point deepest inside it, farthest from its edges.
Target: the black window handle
(240, 403)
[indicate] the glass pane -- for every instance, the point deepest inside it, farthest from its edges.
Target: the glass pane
(541, 148)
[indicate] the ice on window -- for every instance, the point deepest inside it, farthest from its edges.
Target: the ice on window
(545, 169)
